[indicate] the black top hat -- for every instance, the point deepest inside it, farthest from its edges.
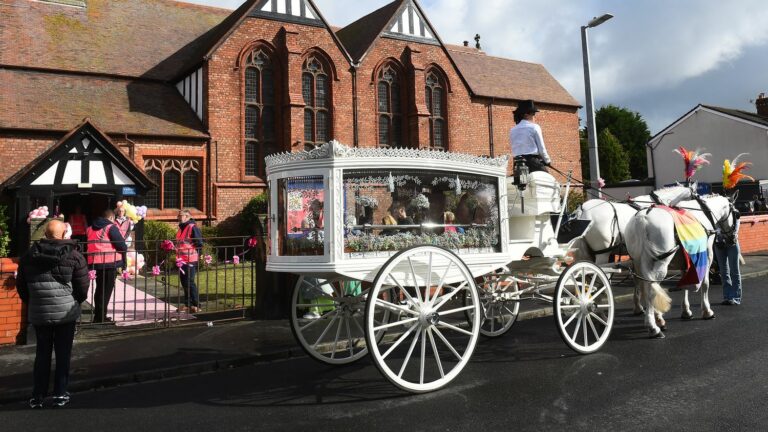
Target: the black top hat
(526, 107)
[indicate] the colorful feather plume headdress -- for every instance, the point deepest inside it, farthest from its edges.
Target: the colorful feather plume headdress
(693, 159)
(732, 172)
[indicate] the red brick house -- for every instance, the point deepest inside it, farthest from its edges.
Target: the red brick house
(182, 102)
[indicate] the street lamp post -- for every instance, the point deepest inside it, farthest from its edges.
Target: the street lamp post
(594, 163)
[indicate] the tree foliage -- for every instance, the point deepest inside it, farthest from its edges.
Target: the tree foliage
(614, 163)
(631, 131)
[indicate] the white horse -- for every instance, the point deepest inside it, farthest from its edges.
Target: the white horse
(652, 246)
(606, 234)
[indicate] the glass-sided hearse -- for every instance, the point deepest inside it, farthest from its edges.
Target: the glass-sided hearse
(437, 239)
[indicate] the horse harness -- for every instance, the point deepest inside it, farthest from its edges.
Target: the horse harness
(704, 209)
(614, 223)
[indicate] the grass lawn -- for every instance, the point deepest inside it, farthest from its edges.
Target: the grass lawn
(223, 286)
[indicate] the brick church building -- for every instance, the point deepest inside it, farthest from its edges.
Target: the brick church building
(175, 105)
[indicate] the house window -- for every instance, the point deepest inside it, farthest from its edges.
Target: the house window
(436, 103)
(259, 112)
(389, 108)
(152, 198)
(178, 183)
(316, 89)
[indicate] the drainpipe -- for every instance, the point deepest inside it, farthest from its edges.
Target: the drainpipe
(490, 127)
(131, 147)
(355, 129)
(209, 204)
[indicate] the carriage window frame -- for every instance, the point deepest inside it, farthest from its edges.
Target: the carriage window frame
(276, 231)
(442, 186)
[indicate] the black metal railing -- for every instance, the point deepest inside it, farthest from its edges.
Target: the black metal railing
(152, 284)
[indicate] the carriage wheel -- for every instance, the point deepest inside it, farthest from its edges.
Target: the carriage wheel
(583, 307)
(327, 319)
(432, 338)
(499, 303)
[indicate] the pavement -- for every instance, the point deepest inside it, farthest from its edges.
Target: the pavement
(128, 357)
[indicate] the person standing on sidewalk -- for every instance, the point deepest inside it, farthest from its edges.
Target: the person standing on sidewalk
(52, 281)
(727, 252)
(189, 240)
(106, 247)
(79, 225)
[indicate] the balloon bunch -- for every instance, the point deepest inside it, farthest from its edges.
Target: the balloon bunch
(39, 213)
(732, 172)
(134, 262)
(135, 214)
(693, 159)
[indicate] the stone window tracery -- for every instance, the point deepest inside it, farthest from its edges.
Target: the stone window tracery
(179, 183)
(259, 111)
(316, 90)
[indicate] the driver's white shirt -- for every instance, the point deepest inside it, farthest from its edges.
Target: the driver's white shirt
(526, 139)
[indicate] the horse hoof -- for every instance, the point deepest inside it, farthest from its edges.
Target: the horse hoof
(657, 335)
(686, 316)
(711, 317)
(663, 328)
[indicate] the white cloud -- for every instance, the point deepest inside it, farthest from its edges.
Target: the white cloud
(650, 47)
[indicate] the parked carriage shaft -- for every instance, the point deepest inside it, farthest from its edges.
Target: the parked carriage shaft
(410, 255)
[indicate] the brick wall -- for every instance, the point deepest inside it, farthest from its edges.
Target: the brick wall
(20, 149)
(753, 234)
(11, 308)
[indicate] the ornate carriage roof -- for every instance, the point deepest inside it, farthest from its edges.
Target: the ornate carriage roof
(336, 150)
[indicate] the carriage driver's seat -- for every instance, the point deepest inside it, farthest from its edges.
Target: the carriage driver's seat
(541, 195)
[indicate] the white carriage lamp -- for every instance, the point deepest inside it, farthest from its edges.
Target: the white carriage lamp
(391, 183)
(521, 180)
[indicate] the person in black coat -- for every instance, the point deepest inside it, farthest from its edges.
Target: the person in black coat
(52, 281)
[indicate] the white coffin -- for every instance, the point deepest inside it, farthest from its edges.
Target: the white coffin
(540, 197)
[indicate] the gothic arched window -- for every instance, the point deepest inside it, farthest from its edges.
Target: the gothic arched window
(316, 89)
(436, 103)
(260, 108)
(389, 108)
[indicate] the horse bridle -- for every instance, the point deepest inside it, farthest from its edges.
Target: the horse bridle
(717, 226)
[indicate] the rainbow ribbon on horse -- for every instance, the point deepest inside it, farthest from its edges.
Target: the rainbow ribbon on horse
(693, 238)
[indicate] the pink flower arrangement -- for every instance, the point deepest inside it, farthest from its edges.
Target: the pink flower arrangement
(167, 245)
(92, 275)
(208, 259)
(253, 242)
(600, 182)
(156, 270)
(236, 259)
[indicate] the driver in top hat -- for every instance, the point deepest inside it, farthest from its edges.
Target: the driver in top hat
(526, 139)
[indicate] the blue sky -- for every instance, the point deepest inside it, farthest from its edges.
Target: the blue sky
(657, 57)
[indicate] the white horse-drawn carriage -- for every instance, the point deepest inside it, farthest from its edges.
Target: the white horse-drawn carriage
(468, 246)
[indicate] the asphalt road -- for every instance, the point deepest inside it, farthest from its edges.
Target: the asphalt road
(706, 375)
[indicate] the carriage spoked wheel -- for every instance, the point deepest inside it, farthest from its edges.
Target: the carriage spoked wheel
(430, 338)
(583, 307)
(327, 318)
(498, 301)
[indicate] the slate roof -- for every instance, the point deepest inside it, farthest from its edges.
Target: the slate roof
(358, 36)
(153, 39)
(744, 115)
(497, 77)
(58, 102)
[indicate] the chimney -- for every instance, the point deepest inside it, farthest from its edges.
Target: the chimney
(73, 3)
(466, 43)
(762, 105)
(477, 41)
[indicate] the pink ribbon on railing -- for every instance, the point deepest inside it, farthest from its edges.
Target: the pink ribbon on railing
(167, 245)
(156, 270)
(208, 259)
(179, 264)
(126, 275)
(92, 275)
(236, 260)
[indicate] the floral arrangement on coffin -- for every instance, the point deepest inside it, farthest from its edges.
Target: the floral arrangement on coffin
(366, 201)
(420, 202)
(472, 238)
